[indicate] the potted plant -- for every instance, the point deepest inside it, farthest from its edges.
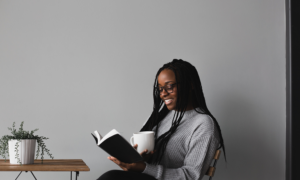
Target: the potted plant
(20, 146)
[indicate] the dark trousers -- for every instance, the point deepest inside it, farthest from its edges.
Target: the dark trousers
(124, 175)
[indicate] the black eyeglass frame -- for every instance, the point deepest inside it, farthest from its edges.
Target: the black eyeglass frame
(162, 88)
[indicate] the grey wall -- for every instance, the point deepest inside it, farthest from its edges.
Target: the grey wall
(69, 68)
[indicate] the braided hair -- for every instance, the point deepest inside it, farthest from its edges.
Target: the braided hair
(188, 82)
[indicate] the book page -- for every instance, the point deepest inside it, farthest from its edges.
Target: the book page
(108, 135)
(98, 136)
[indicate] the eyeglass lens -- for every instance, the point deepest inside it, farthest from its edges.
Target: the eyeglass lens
(168, 88)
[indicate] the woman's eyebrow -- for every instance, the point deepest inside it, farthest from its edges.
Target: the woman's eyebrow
(166, 82)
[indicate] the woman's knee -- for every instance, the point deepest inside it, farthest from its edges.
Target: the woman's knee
(111, 175)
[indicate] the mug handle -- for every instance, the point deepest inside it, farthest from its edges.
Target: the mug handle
(131, 141)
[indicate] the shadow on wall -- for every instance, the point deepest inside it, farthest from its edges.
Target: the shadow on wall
(249, 144)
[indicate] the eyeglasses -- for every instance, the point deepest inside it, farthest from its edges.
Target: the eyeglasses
(168, 88)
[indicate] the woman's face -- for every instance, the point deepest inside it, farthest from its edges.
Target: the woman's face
(168, 88)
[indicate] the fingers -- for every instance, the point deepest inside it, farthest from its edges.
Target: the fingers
(135, 146)
(115, 160)
(111, 158)
(122, 165)
(144, 152)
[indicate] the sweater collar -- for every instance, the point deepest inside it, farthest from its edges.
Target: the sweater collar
(189, 113)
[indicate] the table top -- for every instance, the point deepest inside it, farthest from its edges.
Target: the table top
(48, 165)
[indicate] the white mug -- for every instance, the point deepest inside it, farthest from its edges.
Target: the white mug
(144, 140)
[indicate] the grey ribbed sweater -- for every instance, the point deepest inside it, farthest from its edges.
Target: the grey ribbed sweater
(189, 151)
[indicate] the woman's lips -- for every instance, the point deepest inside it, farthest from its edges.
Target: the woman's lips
(168, 101)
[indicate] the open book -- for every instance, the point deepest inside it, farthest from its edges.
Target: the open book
(115, 145)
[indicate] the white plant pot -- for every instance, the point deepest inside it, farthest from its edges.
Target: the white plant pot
(26, 151)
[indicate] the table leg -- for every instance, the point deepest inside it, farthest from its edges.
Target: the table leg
(33, 175)
(19, 175)
(26, 171)
(77, 174)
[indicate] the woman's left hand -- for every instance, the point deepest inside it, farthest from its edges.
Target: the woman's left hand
(138, 166)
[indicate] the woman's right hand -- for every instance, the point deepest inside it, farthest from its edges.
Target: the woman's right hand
(144, 154)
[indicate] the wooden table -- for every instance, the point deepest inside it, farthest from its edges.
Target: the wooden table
(72, 165)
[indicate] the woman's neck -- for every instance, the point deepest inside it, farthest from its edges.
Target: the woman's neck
(189, 107)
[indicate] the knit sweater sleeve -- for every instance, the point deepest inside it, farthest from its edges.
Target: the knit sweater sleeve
(202, 145)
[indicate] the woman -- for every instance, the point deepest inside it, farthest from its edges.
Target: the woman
(187, 135)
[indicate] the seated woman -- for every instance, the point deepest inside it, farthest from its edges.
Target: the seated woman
(186, 134)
